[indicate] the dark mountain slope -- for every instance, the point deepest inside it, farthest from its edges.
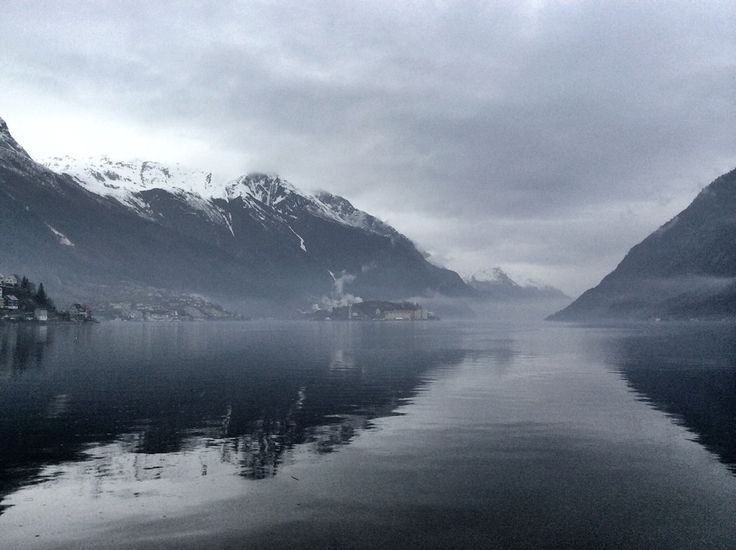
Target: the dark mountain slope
(686, 268)
(257, 238)
(74, 239)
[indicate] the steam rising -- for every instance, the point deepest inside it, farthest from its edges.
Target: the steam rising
(338, 297)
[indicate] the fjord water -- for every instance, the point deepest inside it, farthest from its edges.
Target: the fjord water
(315, 435)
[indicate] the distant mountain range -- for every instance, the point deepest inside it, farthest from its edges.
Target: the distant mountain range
(494, 284)
(685, 269)
(97, 226)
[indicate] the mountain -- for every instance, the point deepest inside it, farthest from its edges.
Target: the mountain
(685, 269)
(495, 284)
(101, 227)
(8, 143)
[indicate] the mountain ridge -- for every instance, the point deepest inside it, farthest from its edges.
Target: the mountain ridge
(7, 141)
(686, 268)
(124, 179)
(496, 284)
(256, 237)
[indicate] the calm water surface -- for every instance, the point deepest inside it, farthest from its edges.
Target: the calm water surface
(321, 435)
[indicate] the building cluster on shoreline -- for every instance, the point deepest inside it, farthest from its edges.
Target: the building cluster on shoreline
(373, 310)
(21, 300)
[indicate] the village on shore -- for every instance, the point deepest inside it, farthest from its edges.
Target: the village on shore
(372, 310)
(22, 301)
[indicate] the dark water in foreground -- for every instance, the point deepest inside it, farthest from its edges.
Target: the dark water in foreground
(367, 435)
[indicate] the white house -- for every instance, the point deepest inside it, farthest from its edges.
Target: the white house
(8, 280)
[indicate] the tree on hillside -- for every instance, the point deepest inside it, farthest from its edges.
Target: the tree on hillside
(41, 297)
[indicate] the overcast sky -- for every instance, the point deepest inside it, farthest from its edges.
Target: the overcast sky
(545, 137)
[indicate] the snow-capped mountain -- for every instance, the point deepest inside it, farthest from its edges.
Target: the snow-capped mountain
(496, 284)
(105, 176)
(348, 214)
(494, 276)
(122, 179)
(125, 180)
(101, 223)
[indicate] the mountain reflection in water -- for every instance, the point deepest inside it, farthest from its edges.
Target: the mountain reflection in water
(687, 371)
(241, 397)
(451, 434)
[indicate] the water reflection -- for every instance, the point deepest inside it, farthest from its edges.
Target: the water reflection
(449, 435)
(688, 372)
(142, 402)
(22, 347)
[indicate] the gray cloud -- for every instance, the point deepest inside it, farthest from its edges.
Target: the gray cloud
(548, 137)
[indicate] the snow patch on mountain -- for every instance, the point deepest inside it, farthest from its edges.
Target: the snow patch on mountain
(118, 179)
(63, 239)
(125, 180)
(228, 219)
(301, 240)
(278, 194)
(206, 207)
(349, 215)
(265, 195)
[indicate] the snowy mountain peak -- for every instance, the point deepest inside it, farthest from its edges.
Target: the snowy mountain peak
(496, 284)
(125, 180)
(494, 275)
(269, 189)
(119, 179)
(7, 141)
(274, 192)
(350, 215)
